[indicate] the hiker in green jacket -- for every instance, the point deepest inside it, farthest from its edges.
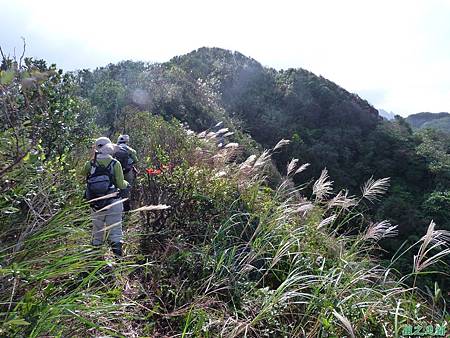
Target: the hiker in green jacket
(127, 158)
(104, 177)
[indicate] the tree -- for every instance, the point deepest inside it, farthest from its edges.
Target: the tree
(109, 97)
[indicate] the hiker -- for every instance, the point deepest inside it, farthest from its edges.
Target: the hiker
(127, 158)
(104, 177)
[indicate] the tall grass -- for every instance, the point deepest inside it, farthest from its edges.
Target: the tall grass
(270, 263)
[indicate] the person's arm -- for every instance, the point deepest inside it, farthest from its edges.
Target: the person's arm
(134, 155)
(86, 169)
(118, 176)
(87, 166)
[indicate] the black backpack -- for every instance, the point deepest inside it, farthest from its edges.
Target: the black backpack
(100, 183)
(123, 156)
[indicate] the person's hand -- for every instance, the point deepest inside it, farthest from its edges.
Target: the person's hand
(93, 152)
(124, 193)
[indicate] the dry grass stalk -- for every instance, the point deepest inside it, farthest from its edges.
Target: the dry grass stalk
(114, 194)
(152, 208)
(109, 206)
(109, 227)
(345, 322)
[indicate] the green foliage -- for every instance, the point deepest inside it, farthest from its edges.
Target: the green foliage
(437, 206)
(434, 147)
(108, 96)
(39, 109)
(237, 253)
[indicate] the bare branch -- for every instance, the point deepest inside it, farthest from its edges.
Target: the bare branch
(16, 162)
(3, 55)
(23, 52)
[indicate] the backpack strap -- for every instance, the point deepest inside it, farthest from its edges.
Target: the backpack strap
(110, 168)
(94, 160)
(92, 169)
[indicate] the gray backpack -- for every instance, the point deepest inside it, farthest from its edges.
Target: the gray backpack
(99, 183)
(123, 156)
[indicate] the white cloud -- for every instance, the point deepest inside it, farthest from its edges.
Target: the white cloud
(396, 50)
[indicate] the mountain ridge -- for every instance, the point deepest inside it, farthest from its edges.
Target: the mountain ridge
(439, 121)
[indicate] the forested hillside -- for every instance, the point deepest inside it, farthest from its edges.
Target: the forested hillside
(237, 229)
(328, 126)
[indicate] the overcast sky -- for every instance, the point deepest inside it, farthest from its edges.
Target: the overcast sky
(394, 53)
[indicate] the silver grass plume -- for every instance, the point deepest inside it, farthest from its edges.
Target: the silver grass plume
(372, 189)
(302, 168)
(248, 163)
(433, 239)
(262, 159)
(221, 173)
(202, 134)
(222, 131)
(377, 231)
(342, 200)
(327, 221)
(304, 208)
(281, 144)
(323, 186)
(291, 166)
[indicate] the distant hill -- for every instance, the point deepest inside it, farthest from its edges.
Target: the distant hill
(328, 124)
(385, 114)
(439, 121)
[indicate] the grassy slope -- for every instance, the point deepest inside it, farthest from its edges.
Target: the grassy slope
(233, 257)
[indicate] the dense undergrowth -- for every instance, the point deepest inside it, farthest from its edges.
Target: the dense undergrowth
(217, 244)
(230, 257)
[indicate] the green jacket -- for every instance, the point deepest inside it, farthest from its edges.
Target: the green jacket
(133, 154)
(119, 181)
